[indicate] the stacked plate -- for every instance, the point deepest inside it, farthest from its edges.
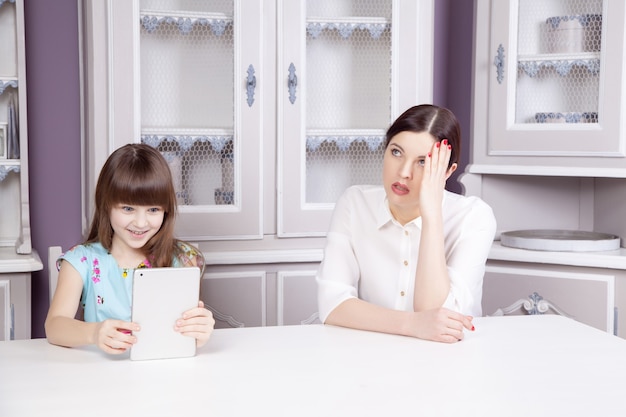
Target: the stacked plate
(560, 240)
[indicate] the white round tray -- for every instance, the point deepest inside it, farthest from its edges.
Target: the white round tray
(560, 240)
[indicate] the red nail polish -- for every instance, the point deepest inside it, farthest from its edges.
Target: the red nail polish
(438, 144)
(429, 154)
(449, 146)
(473, 328)
(445, 141)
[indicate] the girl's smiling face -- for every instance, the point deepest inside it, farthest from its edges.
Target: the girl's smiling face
(403, 169)
(134, 225)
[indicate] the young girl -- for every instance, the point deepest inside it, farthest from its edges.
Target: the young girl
(408, 257)
(132, 227)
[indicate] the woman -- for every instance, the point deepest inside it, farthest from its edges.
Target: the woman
(409, 257)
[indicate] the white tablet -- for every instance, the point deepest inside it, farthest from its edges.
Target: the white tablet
(160, 296)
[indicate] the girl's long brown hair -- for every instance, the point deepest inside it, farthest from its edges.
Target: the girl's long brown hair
(136, 174)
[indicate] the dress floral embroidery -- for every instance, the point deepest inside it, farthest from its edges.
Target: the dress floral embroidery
(104, 279)
(96, 271)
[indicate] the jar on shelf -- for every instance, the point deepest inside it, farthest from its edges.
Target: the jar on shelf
(573, 34)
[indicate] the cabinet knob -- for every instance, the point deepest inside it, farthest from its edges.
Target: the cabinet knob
(292, 83)
(499, 63)
(250, 85)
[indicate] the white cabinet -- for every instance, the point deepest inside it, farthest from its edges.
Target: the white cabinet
(548, 144)
(549, 147)
(549, 87)
(15, 293)
(267, 110)
(17, 259)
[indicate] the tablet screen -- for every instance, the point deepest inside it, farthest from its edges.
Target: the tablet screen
(160, 296)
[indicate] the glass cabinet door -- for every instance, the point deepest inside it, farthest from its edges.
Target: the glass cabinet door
(186, 76)
(199, 107)
(555, 68)
(10, 224)
(14, 196)
(339, 88)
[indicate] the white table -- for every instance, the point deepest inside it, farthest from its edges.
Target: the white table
(510, 366)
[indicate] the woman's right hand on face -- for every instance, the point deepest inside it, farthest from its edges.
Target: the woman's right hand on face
(115, 336)
(434, 178)
(441, 325)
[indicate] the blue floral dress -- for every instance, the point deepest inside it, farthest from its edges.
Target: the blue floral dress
(107, 288)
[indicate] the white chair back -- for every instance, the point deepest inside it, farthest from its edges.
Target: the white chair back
(53, 274)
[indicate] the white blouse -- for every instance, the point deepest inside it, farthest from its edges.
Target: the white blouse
(370, 256)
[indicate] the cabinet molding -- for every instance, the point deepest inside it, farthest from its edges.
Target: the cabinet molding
(551, 171)
(263, 257)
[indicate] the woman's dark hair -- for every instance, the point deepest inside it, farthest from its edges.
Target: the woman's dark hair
(440, 122)
(136, 174)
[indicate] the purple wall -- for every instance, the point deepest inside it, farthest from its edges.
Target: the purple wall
(54, 117)
(454, 28)
(52, 77)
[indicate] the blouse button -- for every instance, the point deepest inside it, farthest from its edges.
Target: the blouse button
(406, 233)
(402, 293)
(406, 263)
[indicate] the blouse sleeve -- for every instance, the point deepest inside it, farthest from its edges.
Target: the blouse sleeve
(338, 274)
(467, 257)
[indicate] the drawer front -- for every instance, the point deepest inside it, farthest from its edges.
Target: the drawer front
(236, 298)
(297, 297)
(585, 296)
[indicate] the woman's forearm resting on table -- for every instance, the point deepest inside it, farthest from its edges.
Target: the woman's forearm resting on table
(359, 314)
(440, 324)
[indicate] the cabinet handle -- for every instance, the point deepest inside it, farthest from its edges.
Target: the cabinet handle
(5, 84)
(499, 63)
(250, 85)
(292, 83)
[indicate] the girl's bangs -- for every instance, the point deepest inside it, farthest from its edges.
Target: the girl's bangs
(144, 192)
